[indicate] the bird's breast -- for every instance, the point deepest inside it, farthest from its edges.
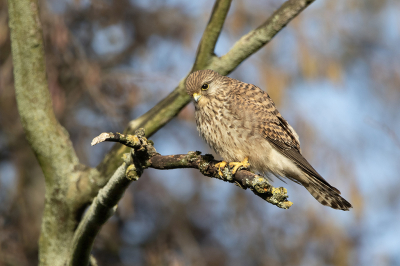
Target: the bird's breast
(228, 135)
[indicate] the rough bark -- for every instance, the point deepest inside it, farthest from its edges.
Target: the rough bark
(48, 139)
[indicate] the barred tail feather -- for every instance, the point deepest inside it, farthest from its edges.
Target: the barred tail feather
(326, 194)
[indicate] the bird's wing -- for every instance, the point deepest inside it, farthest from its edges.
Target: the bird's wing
(271, 124)
(250, 102)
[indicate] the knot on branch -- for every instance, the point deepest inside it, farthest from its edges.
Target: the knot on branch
(142, 150)
(137, 142)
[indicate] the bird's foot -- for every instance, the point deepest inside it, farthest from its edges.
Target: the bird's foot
(221, 165)
(237, 165)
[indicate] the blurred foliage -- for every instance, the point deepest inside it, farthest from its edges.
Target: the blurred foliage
(110, 61)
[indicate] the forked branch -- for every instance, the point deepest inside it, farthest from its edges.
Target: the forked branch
(143, 155)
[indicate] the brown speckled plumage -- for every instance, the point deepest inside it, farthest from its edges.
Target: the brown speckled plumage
(240, 120)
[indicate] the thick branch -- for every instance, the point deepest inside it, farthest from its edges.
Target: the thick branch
(170, 106)
(47, 138)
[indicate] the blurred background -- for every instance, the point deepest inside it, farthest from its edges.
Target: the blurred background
(334, 73)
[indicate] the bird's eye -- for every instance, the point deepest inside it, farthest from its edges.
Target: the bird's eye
(204, 87)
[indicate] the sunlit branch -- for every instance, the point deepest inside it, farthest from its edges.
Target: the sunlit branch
(243, 178)
(205, 163)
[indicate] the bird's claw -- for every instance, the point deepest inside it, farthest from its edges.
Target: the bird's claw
(234, 165)
(237, 165)
(221, 165)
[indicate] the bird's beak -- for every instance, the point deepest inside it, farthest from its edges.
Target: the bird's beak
(196, 96)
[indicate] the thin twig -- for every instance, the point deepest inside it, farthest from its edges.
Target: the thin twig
(205, 50)
(256, 39)
(386, 129)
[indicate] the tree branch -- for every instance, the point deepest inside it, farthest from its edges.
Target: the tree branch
(243, 178)
(256, 39)
(143, 155)
(48, 139)
(205, 50)
(170, 106)
(102, 208)
(104, 204)
(205, 163)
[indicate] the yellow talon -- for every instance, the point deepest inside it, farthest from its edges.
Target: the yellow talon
(221, 165)
(236, 165)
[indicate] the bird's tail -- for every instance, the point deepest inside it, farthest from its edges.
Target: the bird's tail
(326, 194)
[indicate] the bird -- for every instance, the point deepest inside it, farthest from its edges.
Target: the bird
(241, 123)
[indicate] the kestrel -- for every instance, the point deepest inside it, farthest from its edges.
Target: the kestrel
(241, 123)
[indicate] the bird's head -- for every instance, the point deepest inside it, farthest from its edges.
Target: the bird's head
(204, 84)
